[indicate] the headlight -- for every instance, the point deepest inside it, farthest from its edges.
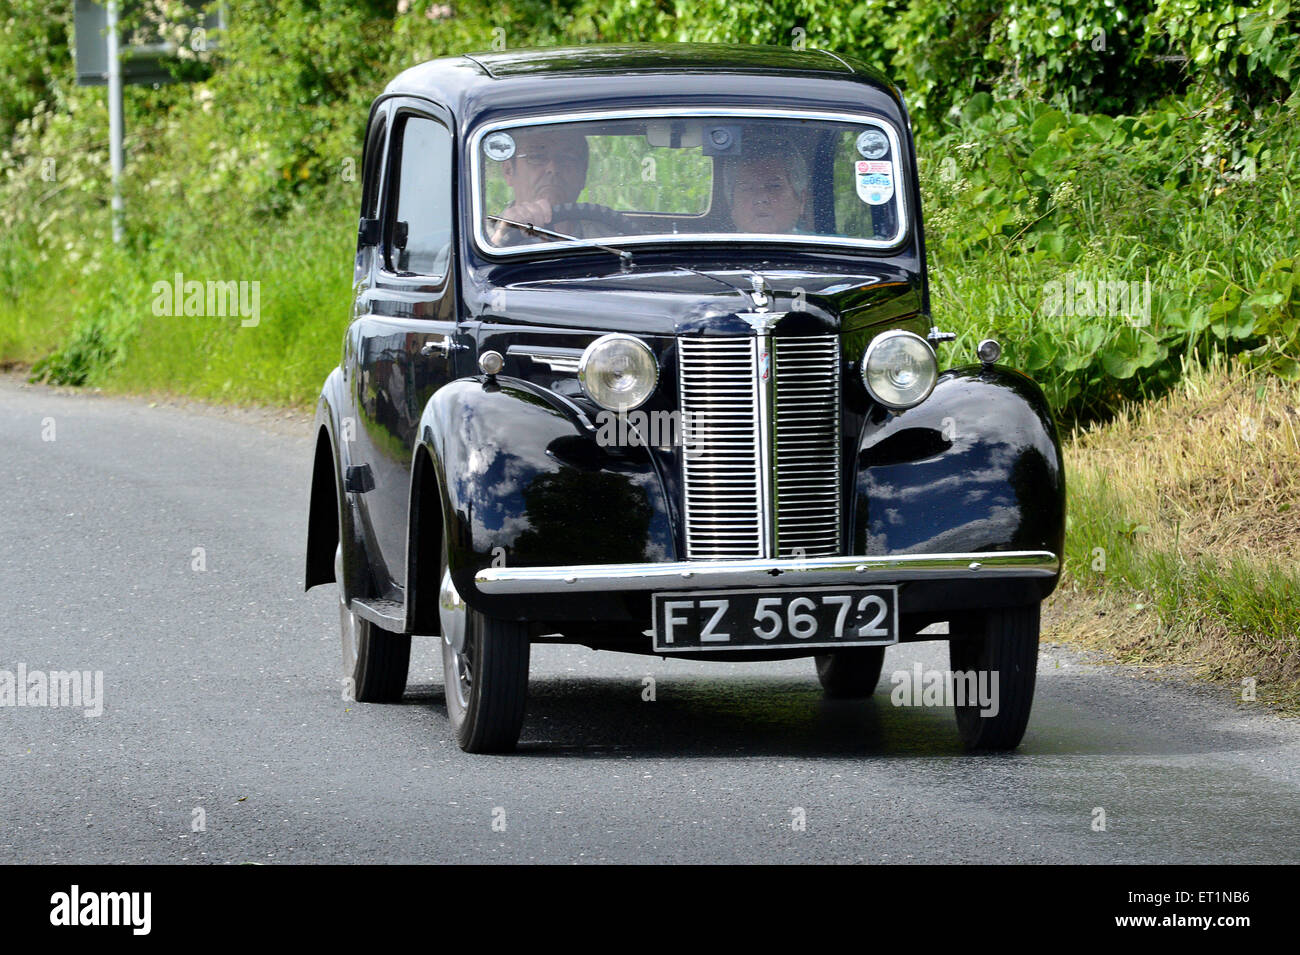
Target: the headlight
(899, 369)
(618, 372)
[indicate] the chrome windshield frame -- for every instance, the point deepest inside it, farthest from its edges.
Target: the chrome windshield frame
(901, 184)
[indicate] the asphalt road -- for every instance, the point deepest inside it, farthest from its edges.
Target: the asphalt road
(222, 705)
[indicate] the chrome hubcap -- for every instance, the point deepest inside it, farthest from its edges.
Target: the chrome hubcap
(347, 622)
(452, 614)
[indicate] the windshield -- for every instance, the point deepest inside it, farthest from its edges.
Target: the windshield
(649, 178)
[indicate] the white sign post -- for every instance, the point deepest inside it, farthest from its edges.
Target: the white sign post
(101, 59)
(115, 118)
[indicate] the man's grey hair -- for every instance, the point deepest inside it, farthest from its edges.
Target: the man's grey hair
(551, 135)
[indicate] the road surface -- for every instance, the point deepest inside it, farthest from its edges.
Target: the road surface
(163, 548)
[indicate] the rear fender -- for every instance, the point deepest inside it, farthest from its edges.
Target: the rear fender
(332, 516)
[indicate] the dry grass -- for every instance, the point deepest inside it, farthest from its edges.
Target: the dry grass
(1185, 530)
(1213, 468)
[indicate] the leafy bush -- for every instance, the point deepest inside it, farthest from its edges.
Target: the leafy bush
(1103, 250)
(1120, 56)
(92, 348)
(35, 58)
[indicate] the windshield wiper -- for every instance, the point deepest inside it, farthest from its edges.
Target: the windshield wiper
(529, 229)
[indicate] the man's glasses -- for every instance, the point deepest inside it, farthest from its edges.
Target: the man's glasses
(539, 159)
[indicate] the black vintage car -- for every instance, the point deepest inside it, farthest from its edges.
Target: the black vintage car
(642, 358)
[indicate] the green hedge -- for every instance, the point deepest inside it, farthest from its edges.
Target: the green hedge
(1062, 143)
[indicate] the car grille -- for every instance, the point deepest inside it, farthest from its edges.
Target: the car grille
(762, 456)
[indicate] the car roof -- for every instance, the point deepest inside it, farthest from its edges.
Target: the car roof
(631, 74)
(651, 58)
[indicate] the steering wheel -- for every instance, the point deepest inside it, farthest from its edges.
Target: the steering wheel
(617, 223)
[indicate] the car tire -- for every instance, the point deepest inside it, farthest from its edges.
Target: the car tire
(375, 661)
(851, 673)
(486, 680)
(1006, 643)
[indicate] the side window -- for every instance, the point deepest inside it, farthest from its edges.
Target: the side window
(419, 240)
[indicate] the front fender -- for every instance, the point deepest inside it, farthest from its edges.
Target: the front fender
(525, 482)
(975, 467)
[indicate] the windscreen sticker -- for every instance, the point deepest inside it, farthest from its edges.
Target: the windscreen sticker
(875, 181)
(872, 144)
(499, 146)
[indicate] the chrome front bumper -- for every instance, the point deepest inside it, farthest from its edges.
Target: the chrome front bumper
(726, 574)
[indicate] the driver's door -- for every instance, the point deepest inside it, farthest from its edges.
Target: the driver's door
(406, 325)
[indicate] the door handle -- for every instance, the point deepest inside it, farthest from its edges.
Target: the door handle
(444, 347)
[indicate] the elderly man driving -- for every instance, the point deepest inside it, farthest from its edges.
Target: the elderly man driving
(549, 167)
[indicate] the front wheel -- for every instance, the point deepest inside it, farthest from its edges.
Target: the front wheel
(1003, 658)
(485, 672)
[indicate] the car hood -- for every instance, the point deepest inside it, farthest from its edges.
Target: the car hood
(684, 301)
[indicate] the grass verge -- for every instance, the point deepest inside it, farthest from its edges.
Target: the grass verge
(109, 318)
(1183, 533)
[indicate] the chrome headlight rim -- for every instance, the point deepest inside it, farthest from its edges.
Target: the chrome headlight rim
(876, 343)
(584, 365)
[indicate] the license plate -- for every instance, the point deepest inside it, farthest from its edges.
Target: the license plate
(752, 619)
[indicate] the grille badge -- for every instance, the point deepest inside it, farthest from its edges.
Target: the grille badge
(761, 322)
